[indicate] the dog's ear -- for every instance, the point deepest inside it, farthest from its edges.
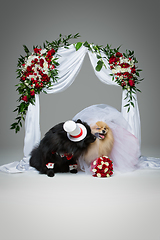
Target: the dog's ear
(79, 121)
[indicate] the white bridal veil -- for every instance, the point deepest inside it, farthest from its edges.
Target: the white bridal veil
(70, 64)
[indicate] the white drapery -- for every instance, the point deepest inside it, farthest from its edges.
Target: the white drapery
(70, 64)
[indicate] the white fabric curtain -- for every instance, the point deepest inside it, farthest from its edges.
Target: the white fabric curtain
(132, 117)
(70, 64)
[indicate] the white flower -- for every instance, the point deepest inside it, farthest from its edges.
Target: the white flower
(100, 166)
(132, 63)
(128, 70)
(123, 70)
(30, 58)
(43, 51)
(105, 170)
(116, 69)
(26, 83)
(107, 164)
(108, 175)
(126, 60)
(98, 175)
(94, 163)
(45, 65)
(94, 170)
(113, 70)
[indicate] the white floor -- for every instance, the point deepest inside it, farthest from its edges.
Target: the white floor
(75, 207)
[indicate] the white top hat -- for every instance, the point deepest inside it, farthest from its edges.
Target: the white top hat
(75, 131)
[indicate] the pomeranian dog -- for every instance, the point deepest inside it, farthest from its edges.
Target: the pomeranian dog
(103, 144)
(61, 147)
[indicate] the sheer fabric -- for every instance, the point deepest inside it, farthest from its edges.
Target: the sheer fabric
(70, 64)
(126, 151)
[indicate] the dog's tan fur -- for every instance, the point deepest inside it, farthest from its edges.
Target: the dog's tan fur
(101, 147)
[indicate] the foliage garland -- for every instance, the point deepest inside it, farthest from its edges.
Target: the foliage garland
(123, 66)
(38, 70)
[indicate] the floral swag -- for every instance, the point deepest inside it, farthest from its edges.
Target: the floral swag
(38, 70)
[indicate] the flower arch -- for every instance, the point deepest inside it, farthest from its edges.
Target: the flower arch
(53, 69)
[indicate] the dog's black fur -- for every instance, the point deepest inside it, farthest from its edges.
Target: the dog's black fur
(53, 144)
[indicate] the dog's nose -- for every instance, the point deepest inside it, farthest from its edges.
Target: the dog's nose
(103, 131)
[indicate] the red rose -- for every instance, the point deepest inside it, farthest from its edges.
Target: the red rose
(24, 98)
(37, 50)
(131, 83)
(126, 74)
(41, 62)
(123, 84)
(32, 93)
(52, 67)
(29, 69)
(125, 65)
(50, 53)
(133, 70)
(112, 59)
(23, 78)
(45, 78)
(37, 85)
(118, 54)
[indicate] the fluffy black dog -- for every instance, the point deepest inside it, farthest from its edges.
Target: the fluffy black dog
(57, 153)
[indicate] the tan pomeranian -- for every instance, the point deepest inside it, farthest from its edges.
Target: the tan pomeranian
(103, 144)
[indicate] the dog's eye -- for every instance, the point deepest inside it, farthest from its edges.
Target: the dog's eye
(97, 128)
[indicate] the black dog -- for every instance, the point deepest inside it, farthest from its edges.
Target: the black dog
(57, 153)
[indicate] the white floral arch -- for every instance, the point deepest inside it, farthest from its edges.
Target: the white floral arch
(70, 64)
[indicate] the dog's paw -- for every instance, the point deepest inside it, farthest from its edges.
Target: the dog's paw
(73, 168)
(73, 171)
(50, 173)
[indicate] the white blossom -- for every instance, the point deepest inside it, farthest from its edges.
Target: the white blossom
(100, 166)
(94, 163)
(43, 51)
(98, 175)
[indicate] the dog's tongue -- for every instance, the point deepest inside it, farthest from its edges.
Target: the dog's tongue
(102, 136)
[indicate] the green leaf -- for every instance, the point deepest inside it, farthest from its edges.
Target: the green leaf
(128, 109)
(138, 90)
(99, 66)
(86, 44)
(78, 45)
(26, 49)
(98, 56)
(15, 110)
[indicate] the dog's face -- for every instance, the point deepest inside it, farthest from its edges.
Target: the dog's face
(63, 144)
(100, 130)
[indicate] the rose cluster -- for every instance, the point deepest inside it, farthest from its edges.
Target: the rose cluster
(36, 70)
(123, 69)
(102, 167)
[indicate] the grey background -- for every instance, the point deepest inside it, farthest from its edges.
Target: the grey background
(134, 24)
